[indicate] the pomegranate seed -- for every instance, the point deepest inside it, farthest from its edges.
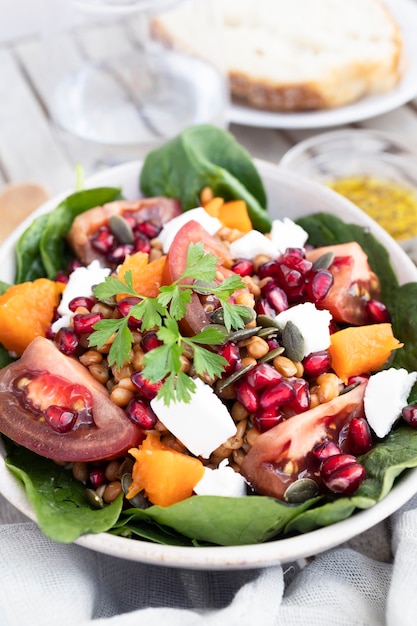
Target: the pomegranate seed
(66, 341)
(409, 415)
(359, 437)
(265, 420)
(124, 306)
(103, 240)
(263, 375)
(317, 363)
(149, 229)
(84, 322)
(150, 341)
(296, 262)
(273, 343)
(276, 297)
(119, 253)
(60, 419)
(97, 477)
(360, 378)
(278, 395)
(243, 267)
(246, 395)
(81, 301)
(298, 252)
(62, 277)
(141, 243)
(377, 311)
(148, 389)
(319, 285)
(270, 269)
(263, 307)
(341, 474)
(334, 462)
(140, 413)
(230, 352)
(325, 449)
(290, 279)
(73, 265)
(301, 400)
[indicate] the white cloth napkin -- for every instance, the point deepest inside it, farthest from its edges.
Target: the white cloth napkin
(45, 584)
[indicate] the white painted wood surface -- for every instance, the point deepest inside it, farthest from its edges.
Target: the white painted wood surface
(31, 151)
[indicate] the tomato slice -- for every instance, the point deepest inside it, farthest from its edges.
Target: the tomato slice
(158, 210)
(44, 377)
(282, 454)
(354, 283)
(192, 232)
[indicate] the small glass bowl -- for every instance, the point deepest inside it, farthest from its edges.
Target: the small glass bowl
(371, 168)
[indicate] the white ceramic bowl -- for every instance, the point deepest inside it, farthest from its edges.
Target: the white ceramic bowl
(289, 195)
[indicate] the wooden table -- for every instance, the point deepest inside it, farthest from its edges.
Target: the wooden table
(30, 151)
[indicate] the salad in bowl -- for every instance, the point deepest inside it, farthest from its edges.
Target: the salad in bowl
(190, 379)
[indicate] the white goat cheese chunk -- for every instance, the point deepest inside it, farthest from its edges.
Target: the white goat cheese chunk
(81, 282)
(312, 323)
(202, 424)
(251, 244)
(170, 229)
(223, 481)
(287, 234)
(385, 395)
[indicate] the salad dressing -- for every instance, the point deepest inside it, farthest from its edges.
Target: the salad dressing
(392, 205)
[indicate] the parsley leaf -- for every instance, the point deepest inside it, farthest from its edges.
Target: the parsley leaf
(163, 312)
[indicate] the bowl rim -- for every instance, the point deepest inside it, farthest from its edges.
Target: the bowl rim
(232, 557)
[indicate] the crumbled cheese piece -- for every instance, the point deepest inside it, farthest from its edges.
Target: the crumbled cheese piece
(81, 282)
(287, 234)
(202, 424)
(252, 244)
(312, 323)
(170, 229)
(223, 481)
(385, 395)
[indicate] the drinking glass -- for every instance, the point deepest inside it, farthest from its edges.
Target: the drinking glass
(123, 76)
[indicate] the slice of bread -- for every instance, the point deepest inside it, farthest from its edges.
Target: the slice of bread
(294, 55)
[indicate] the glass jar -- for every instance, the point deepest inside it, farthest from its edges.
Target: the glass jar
(126, 75)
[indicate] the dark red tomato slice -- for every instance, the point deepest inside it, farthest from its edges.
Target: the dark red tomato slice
(44, 377)
(158, 210)
(192, 232)
(282, 454)
(354, 283)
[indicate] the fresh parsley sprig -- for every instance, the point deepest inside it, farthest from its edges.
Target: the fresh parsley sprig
(163, 312)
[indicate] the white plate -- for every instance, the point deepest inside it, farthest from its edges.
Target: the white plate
(405, 12)
(293, 196)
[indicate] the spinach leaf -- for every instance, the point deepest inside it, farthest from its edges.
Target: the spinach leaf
(57, 498)
(53, 250)
(325, 229)
(29, 264)
(221, 520)
(404, 322)
(205, 156)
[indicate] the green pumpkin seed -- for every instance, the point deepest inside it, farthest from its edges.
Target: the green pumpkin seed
(139, 501)
(121, 229)
(324, 261)
(242, 334)
(94, 499)
(266, 321)
(268, 332)
(235, 376)
(293, 341)
(301, 490)
(271, 355)
(202, 287)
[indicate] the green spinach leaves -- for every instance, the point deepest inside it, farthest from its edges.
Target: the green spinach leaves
(204, 156)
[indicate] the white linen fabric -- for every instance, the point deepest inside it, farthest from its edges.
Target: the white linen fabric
(44, 583)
